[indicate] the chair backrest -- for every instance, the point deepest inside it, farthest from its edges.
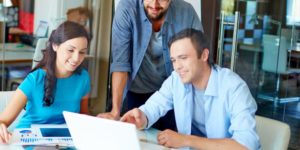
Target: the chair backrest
(38, 54)
(273, 134)
(274, 53)
(5, 97)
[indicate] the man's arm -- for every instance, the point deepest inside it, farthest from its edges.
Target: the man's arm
(213, 144)
(119, 80)
(121, 56)
(173, 139)
(137, 117)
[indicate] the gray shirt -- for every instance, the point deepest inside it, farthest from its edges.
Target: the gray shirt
(132, 31)
(198, 115)
(152, 72)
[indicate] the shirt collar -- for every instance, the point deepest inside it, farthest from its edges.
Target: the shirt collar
(169, 17)
(144, 16)
(212, 85)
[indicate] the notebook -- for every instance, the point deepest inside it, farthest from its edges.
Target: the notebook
(42, 134)
(90, 132)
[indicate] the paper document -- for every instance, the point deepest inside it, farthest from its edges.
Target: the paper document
(42, 135)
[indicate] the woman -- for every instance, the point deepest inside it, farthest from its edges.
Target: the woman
(56, 84)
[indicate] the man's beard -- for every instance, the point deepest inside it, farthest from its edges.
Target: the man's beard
(155, 18)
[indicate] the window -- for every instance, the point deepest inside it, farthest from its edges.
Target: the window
(293, 12)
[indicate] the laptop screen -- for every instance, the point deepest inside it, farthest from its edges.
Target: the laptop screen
(96, 133)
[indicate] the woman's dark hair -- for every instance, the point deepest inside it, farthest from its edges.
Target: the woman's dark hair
(199, 41)
(66, 31)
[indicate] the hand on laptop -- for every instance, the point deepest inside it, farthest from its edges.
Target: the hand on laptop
(109, 115)
(137, 117)
(4, 134)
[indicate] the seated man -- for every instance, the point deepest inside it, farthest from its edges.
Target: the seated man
(213, 106)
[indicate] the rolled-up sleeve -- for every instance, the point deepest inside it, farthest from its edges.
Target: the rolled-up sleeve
(121, 41)
(243, 124)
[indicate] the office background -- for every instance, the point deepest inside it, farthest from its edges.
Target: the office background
(265, 28)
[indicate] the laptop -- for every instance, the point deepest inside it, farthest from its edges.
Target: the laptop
(41, 32)
(90, 132)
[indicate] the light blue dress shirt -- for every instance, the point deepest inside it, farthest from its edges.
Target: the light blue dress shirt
(68, 95)
(229, 107)
(132, 31)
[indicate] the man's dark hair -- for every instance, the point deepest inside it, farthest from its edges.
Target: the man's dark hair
(198, 39)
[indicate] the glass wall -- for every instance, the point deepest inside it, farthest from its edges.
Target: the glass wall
(259, 40)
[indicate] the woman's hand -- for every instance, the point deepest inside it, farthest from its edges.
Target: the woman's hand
(4, 134)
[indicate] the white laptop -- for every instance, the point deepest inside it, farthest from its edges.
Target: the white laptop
(90, 132)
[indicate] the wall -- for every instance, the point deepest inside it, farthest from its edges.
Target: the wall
(53, 11)
(101, 38)
(210, 12)
(1, 33)
(1, 30)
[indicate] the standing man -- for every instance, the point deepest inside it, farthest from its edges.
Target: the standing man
(140, 55)
(213, 106)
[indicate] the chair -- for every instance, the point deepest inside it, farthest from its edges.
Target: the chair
(5, 97)
(275, 61)
(38, 54)
(15, 75)
(273, 134)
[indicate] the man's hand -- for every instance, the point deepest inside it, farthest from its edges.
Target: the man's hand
(137, 117)
(171, 138)
(109, 115)
(4, 134)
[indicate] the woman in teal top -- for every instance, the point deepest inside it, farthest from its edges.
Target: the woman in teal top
(56, 84)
